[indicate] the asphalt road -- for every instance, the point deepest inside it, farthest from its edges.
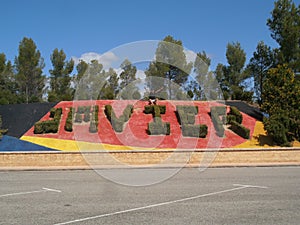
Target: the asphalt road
(216, 196)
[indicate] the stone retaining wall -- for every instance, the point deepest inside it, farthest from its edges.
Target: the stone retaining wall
(196, 158)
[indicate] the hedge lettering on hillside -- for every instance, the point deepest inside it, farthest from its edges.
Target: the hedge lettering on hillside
(157, 127)
(49, 126)
(118, 123)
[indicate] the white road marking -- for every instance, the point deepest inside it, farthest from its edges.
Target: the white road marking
(239, 187)
(30, 192)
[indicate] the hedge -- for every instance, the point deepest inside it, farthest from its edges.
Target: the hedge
(234, 112)
(240, 130)
(49, 126)
(215, 113)
(157, 127)
(188, 109)
(69, 122)
(194, 130)
(149, 109)
(87, 116)
(118, 123)
(94, 120)
(78, 118)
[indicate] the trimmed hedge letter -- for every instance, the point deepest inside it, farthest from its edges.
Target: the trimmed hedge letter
(186, 118)
(157, 127)
(118, 123)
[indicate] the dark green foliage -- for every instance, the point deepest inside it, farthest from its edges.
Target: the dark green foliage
(78, 118)
(158, 127)
(69, 122)
(149, 109)
(230, 119)
(221, 110)
(240, 130)
(186, 117)
(2, 131)
(49, 126)
(194, 130)
(87, 116)
(52, 112)
(94, 120)
(187, 109)
(215, 113)
(234, 112)
(93, 127)
(118, 123)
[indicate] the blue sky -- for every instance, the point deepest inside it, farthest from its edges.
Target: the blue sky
(80, 27)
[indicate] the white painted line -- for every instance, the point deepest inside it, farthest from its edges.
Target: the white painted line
(240, 187)
(250, 186)
(29, 192)
(53, 190)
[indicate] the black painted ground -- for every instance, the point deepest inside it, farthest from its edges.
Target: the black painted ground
(247, 109)
(18, 118)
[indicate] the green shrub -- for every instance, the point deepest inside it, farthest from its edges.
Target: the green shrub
(86, 116)
(93, 127)
(230, 119)
(215, 113)
(220, 110)
(38, 128)
(158, 127)
(118, 123)
(235, 112)
(78, 118)
(52, 112)
(149, 109)
(69, 122)
(194, 131)
(240, 130)
(188, 109)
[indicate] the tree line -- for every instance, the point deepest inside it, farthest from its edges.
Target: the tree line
(273, 70)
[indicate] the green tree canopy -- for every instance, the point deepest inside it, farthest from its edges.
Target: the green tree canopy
(281, 99)
(262, 60)
(60, 79)
(29, 65)
(171, 65)
(284, 25)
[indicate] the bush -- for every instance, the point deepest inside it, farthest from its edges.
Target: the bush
(235, 112)
(52, 112)
(240, 130)
(149, 109)
(158, 127)
(49, 126)
(69, 122)
(118, 123)
(215, 113)
(93, 127)
(78, 118)
(230, 119)
(188, 109)
(194, 131)
(86, 116)
(38, 128)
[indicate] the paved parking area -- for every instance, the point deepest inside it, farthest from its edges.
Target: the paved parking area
(268, 195)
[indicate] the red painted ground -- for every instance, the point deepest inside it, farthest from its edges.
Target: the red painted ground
(135, 134)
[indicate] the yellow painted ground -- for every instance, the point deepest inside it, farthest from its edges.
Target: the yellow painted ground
(69, 145)
(259, 138)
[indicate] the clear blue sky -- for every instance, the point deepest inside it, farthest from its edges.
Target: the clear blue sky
(79, 27)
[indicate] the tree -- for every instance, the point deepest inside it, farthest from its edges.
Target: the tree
(262, 60)
(281, 99)
(231, 77)
(170, 64)
(127, 76)
(7, 82)
(29, 65)
(284, 25)
(112, 85)
(2, 131)
(60, 79)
